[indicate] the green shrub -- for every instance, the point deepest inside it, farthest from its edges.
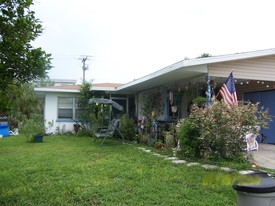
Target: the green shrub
(32, 126)
(127, 127)
(200, 101)
(189, 140)
(218, 132)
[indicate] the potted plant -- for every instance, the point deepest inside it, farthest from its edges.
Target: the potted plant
(33, 128)
(158, 144)
(144, 139)
(137, 138)
(200, 101)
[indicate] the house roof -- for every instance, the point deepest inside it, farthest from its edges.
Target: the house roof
(76, 88)
(64, 81)
(105, 86)
(59, 88)
(187, 69)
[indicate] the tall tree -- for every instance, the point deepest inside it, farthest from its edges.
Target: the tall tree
(204, 55)
(19, 61)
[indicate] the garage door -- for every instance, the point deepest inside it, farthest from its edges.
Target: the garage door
(266, 99)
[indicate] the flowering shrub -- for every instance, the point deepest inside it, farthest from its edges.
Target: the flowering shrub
(217, 132)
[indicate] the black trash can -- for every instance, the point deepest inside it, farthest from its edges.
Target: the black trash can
(255, 189)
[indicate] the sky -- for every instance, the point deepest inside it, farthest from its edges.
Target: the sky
(128, 39)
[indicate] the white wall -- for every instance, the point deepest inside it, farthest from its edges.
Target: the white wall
(50, 113)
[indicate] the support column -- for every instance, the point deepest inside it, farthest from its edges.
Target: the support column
(208, 93)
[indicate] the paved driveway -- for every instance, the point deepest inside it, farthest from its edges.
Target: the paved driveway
(265, 156)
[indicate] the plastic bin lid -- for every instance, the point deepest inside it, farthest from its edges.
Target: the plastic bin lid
(264, 184)
(3, 125)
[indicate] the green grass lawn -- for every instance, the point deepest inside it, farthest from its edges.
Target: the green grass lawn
(69, 170)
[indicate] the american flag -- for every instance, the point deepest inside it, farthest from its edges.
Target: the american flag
(228, 91)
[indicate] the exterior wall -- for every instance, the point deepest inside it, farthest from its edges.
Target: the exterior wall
(262, 68)
(50, 113)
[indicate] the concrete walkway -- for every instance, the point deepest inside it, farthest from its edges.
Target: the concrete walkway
(265, 156)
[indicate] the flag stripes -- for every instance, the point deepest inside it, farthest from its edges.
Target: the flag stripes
(228, 91)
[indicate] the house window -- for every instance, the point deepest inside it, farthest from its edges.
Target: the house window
(68, 108)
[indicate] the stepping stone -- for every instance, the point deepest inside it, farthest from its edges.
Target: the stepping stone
(158, 155)
(227, 169)
(179, 161)
(191, 164)
(206, 166)
(141, 148)
(246, 172)
(171, 158)
(147, 150)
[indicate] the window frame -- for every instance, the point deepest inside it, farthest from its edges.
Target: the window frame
(74, 108)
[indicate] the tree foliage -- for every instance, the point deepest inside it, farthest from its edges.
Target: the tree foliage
(204, 55)
(20, 103)
(89, 118)
(19, 61)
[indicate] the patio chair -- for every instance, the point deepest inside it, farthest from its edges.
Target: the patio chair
(14, 132)
(251, 142)
(109, 132)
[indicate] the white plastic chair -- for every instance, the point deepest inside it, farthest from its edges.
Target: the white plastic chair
(14, 132)
(251, 142)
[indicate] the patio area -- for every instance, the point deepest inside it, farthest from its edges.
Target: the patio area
(265, 156)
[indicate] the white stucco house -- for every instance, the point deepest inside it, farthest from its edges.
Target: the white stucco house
(61, 110)
(175, 86)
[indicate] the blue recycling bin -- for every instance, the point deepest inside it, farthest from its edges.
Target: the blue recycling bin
(4, 132)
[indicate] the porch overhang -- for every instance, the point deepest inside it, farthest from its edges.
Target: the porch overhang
(170, 74)
(189, 69)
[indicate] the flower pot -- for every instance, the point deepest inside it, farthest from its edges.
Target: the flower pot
(76, 128)
(151, 142)
(38, 138)
(158, 146)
